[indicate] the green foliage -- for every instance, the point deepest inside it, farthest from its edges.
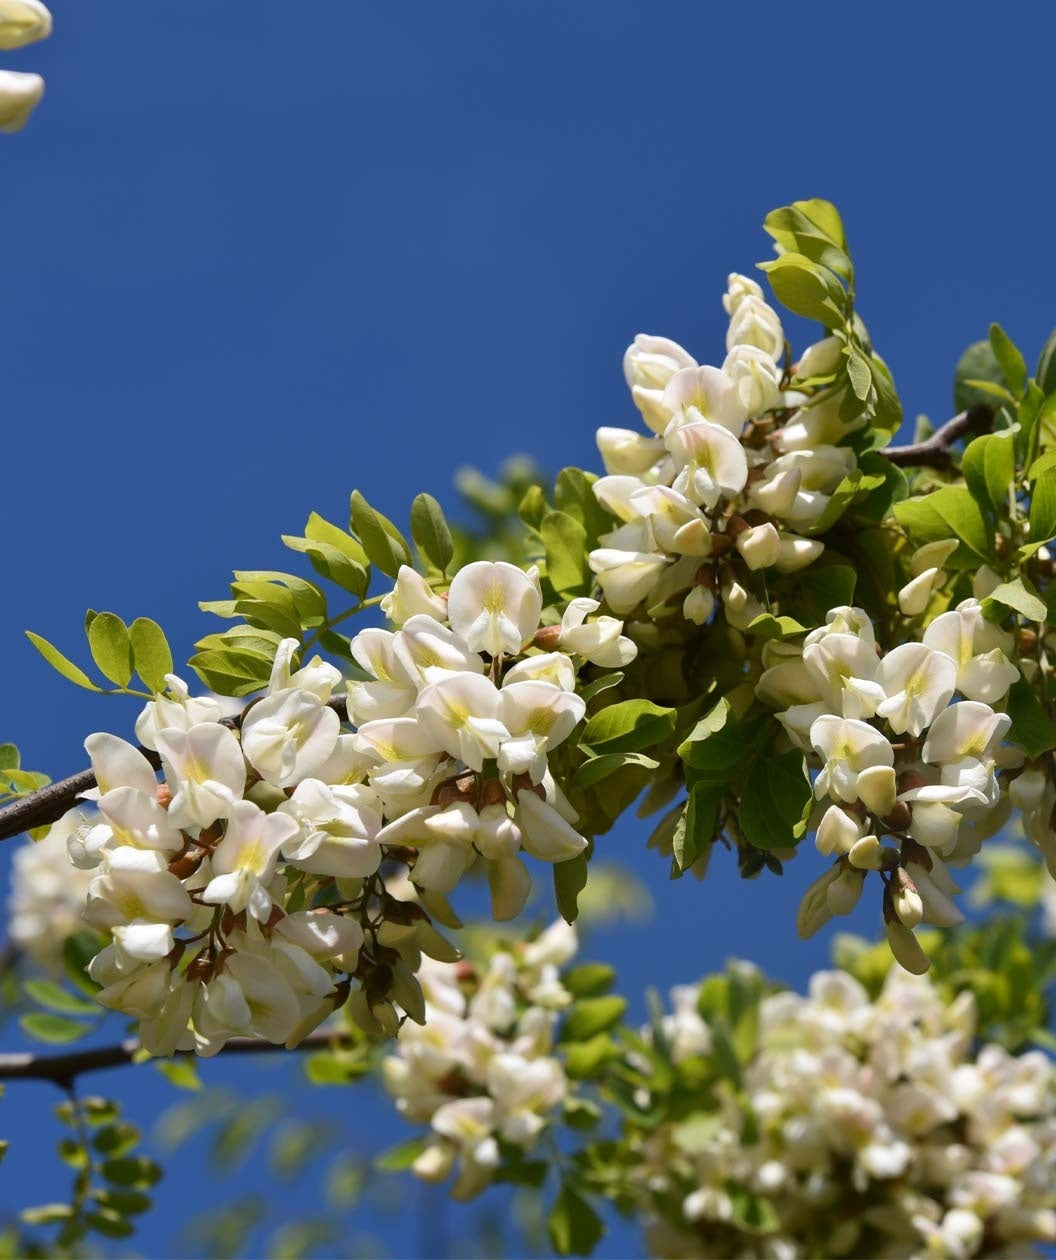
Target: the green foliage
(119, 651)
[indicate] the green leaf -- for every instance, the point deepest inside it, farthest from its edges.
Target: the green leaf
(752, 1213)
(109, 1223)
(574, 494)
(580, 1113)
(596, 769)
(775, 795)
(946, 513)
(989, 467)
(150, 652)
(116, 1139)
(398, 1158)
(46, 1214)
(807, 289)
(131, 1170)
(231, 673)
(1020, 595)
(592, 1015)
(565, 541)
(978, 363)
(1032, 729)
(78, 951)
(570, 878)
(695, 828)
(716, 746)
(48, 993)
(574, 1227)
(629, 726)
(1011, 361)
(10, 758)
(859, 372)
(533, 507)
(1043, 508)
(127, 1202)
(588, 979)
(583, 1059)
(180, 1071)
(1046, 373)
(333, 1069)
(111, 648)
(805, 229)
(822, 587)
(430, 532)
(385, 546)
(60, 663)
(54, 1029)
(334, 554)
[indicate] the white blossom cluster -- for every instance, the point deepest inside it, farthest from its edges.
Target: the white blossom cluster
(907, 747)
(206, 884)
(458, 715)
(21, 22)
(46, 903)
(722, 486)
(877, 1128)
(481, 1072)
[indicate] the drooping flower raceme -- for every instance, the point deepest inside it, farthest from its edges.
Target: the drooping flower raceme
(907, 774)
(862, 1128)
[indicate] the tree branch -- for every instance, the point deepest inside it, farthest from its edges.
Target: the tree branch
(937, 450)
(50, 803)
(61, 1069)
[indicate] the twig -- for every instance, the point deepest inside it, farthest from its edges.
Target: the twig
(50, 803)
(62, 1069)
(937, 450)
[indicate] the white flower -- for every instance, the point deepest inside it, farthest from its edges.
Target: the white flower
(626, 577)
(754, 323)
(760, 546)
(711, 462)
(469, 1123)
(919, 684)
(338, 829)
(823, 358)
(243, 863)
(494, 606)
(429, 650)
(544, 833)
(624, 451)
(47, 896)
(23, 22)
(176, 708)
(461, 713)
(843, 669)
(796, 553)
(136, 885)
(700, 394)
(288, 735)
(966, 730)
(19, 95)
(138, 820)
(600, 641)
(847, 746)
(538, 716)
(698, 605)
(395, 688)
(820, 471)
(676, 523)
(914, 596)
(838, 832)
(317, 676)
(984, 672)
(757, 377)
(412, 596)
(556, 667)
(117, 763)
(648, 364)
(205, 769)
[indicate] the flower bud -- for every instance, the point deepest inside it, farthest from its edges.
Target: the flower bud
(905, 900)
(1027, 790)
(868, 854)
(625, 452)
(698, 605)
(760, 546)
(985, 582)
(757, 377)
(23, 22)
(837, 832)
(934, 824)
(877, 789)
(19, 96)
(777, 494)
(932, 555)
(435, 1162)
(842, 894)
(738, 288)
(906, 948)
(821, 359)
(796, 553)
(913, 597)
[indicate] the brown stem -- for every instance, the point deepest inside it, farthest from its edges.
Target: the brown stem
(62, 1069)
(937, 450)
(50, 803)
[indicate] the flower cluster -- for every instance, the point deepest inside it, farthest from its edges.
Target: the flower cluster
(907, 747)
(246, 892)
(480, 1073)
(864, 1128)
(457, 715)
(737, 473)
(21, 22)
(46, 902)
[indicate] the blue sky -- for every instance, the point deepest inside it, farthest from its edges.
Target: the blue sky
(257, 254)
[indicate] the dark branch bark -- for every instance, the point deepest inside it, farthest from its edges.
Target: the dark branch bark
(62, 1069)
(42, 808)
(937, 450)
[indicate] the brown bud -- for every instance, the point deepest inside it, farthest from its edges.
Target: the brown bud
(705, 575)
(163, 795)
(200, 969)
(909, 780)
(547, 638)
(492, 793)
(736, 526)
(523, 783)
(1026, 641)
(275, 918)
(210, 835)
(184, 866)
(899, 818)
(756, 517)
(720, 544)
